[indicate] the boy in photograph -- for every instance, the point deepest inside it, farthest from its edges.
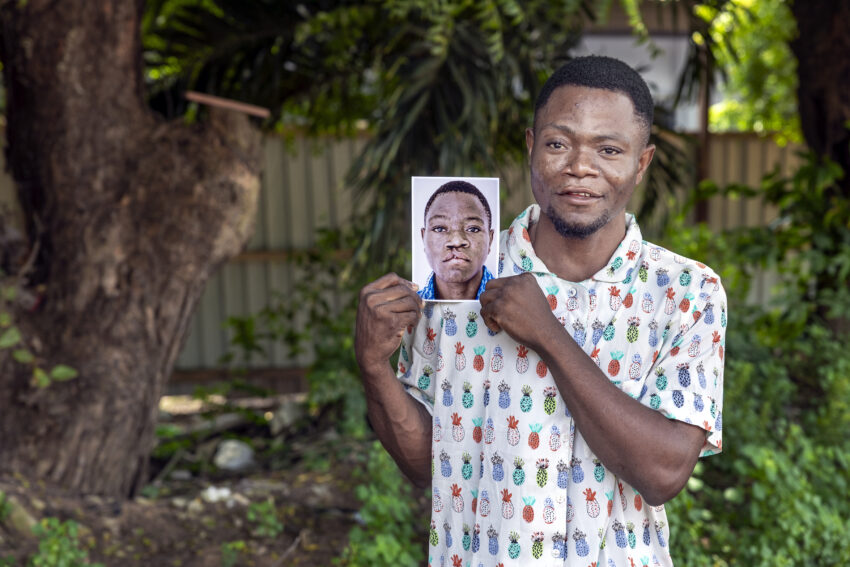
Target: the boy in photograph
(457, 237)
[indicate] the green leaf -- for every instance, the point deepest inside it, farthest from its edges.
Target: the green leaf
(10, 337)
(62, 372)
(10, 293)
(40, 378)
(5, 319)
(23, 356)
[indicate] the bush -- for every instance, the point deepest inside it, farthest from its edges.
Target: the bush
(776, 496)
(392, 531)
(58, 546)
(317, 317)
(265, 518)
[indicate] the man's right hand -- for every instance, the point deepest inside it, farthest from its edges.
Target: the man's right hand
(387, 307)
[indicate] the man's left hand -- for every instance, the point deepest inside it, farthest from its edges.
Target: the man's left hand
(516, 305)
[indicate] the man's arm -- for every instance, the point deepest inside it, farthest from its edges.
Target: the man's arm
(654, 454)
(387, 307)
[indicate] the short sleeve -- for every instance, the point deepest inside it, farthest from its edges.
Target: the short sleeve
(686, 381)
(416, 370)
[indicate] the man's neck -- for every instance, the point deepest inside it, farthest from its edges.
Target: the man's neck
(462, 290)
(575, 259)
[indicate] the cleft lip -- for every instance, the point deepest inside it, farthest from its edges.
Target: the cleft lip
(455, 256)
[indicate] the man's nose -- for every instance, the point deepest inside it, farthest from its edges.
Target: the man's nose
(580, 163)
(457, 239)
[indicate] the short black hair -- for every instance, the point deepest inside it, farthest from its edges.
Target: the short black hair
(459, 186)
(601, 72)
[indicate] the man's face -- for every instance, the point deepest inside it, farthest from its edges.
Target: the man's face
(586, 153)
(456, 236)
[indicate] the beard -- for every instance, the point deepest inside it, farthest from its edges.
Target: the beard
(575, 230)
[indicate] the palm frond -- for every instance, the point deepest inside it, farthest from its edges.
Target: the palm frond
(463, 96)
(703, 46)
(448, 87)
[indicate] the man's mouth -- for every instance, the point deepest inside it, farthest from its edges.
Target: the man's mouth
(578, 196)
(455, 257)
(578, 193)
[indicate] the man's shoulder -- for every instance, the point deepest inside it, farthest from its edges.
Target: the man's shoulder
(666, 264)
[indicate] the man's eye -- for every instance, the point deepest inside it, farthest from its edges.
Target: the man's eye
(438, 229)
(474, 229)
(556, 145)
(609, 151)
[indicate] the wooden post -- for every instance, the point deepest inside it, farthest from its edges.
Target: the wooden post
(703, 150)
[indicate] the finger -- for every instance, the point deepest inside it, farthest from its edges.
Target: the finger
(491, 324)
(403, 304)
(397, 317)
(380, 297)
(528, 278)
(497, 283)
(389, 280)
(399, 323)
(490, 294)
(484, 298)
(406, 320)
(487, 315)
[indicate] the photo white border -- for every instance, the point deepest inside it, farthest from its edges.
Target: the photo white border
(421, 190)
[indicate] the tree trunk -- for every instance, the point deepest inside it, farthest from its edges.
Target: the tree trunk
(822, 48)
(130, 216)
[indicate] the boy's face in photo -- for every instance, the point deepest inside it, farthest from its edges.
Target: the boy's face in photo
(457, 237)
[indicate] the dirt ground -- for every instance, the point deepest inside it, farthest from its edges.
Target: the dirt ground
(181, 529)
(296, 506)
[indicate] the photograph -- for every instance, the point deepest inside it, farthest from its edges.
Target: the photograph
(455, 223)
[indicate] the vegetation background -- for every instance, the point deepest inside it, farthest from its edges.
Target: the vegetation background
(463, 75)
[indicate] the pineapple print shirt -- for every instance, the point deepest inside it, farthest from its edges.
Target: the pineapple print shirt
(513, 481)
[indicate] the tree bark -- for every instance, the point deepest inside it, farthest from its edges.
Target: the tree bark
(822, 48)
(130, 216)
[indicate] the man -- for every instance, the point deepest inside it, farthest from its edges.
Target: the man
(457, 236)
(607, 353)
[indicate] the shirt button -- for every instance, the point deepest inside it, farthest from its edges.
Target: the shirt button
(571, 292)
(561, 498)
(556, 554)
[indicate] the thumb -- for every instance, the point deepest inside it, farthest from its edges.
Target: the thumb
(490, 321)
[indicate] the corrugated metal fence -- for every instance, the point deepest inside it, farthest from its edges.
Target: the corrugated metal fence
(744, 158)
(302, 192)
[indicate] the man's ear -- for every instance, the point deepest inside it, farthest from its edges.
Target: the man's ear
(643, 161)
(490, 244)
(422, 233)
(529, 140)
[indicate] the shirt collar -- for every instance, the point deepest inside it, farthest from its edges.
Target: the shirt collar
(430, 289)
(620, 265)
